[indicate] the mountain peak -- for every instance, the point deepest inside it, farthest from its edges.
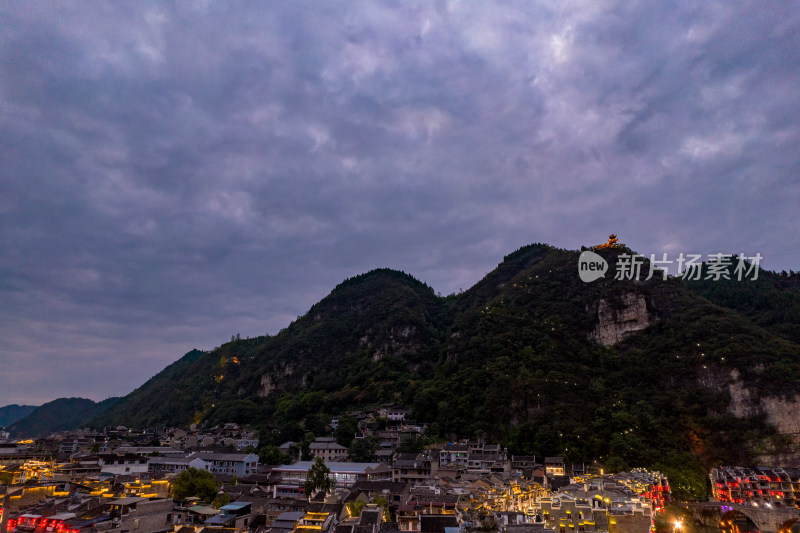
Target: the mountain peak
(381, 275)
(530, 355)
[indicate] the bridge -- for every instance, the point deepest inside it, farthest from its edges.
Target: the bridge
(731, 517)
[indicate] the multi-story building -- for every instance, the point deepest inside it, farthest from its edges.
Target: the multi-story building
(154, 451)
(454, 453)
(328, 449)
(481, 455)
(759, 486)
(555, 466)
(411, 467)
(174, 464)
(651, 486)
(232, 464)
(291, 479)
(141, 515)
(523, 464)
(126, 463)
(614, 513)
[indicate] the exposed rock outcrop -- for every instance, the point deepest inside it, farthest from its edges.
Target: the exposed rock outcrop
(270, 380)
(783, 413)
(266, 386)
(401, 340)
(618, 323)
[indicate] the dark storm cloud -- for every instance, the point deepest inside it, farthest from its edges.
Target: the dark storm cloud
(175, 173)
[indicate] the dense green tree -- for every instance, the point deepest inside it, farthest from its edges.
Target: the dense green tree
(222, 499)
(511, 358)
(362, 450)
(354, 507)
(195, 482)
(688, 480)
(291, 431)
(305, 447)
(318, 477)
(384, 503)
(615, 464)
(271, 455)
(294, 452)
(346, 431)
(317, 424)
(411, 444)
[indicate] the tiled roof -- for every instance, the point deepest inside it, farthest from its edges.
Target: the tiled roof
(436, 523)
(380, 486)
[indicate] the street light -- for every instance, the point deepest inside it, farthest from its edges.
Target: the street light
(677, 524)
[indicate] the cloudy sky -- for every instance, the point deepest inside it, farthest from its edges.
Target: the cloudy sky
(174, 173)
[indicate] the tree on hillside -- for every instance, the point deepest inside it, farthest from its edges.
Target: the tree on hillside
(362, 450)
(318, 477)
(411, 444)
(686, 475)
(195, 482)
(346, 431)
(305, 447)
(271, 455)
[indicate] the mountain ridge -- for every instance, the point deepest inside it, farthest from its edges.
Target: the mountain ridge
(59, 415)
(11, 413)
(515, 359)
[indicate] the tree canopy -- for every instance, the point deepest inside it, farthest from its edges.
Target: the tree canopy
(195, 482)
(318, 477)
(512, 360)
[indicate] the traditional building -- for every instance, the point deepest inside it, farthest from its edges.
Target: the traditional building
(291, 479)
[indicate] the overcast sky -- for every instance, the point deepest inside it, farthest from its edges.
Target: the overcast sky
(174, 173)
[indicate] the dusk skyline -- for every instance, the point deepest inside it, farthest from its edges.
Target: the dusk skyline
(177, 173)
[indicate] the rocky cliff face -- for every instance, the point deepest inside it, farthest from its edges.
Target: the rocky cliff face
(617, 323)
(270, 380)
(783, 413)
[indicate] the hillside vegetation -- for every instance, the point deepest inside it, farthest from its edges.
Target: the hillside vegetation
(511, 360)
(58, 415)
(11, 413)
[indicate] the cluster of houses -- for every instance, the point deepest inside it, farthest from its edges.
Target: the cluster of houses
(766, 487)
(93, 485)
(66, 444)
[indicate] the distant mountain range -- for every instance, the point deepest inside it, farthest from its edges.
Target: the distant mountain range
(11, 413)
(624, 371)
(59, 415)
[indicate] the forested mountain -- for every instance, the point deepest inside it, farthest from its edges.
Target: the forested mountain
(58, 415)
(11, 413)
(772, 300)
(359, 345)
(636, 372)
